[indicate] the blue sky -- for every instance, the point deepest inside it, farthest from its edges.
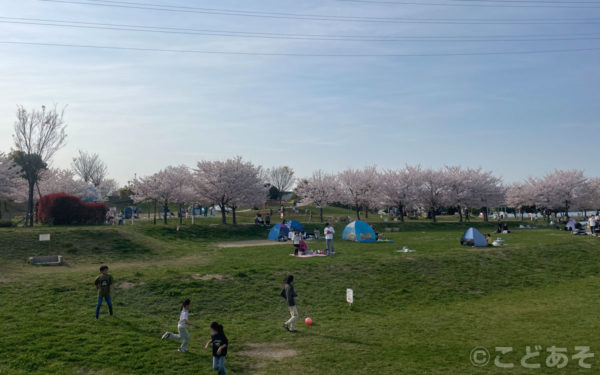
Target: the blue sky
(518, 115)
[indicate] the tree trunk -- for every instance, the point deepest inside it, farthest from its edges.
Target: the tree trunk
(223, 213)
(460, 215)
(321, 213)
(180, 209)
(357, 212)
(567, 209)
(401, 212)
(155, 210)
(366, 212)
(485, 215)
(233, 215)
(29, 220)
(433, 215)
(165, 211)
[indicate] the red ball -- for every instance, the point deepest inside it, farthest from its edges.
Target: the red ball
(308, 321)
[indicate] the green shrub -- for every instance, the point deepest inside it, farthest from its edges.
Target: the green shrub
(5, 223)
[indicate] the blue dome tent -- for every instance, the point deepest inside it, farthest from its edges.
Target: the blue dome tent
(359, 231)
(294, 225)
(277, 231)
(473, 237)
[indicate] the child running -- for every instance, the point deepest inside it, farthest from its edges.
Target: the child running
(105, 286)
(219, 347)
(184, 335)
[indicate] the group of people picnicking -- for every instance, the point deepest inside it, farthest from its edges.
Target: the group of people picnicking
(581, 227)
(105, 285)
(299, 237)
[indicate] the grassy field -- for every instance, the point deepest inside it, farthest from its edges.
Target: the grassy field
(415, 313)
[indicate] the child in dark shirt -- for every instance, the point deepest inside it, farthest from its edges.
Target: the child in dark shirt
(219, 347)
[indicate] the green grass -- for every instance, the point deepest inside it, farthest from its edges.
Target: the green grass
(416, 313)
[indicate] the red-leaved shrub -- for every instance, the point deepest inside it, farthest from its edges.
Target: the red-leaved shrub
(65, 209)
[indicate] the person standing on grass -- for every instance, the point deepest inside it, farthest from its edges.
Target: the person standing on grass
(219, 347)
(184, 335)
(329, 231)
(289, 295)
(105, 285)
(592, 224)
(296, 240)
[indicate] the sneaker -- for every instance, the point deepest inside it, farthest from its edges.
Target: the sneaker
(165, 336)
(182, 350)
(285, 325)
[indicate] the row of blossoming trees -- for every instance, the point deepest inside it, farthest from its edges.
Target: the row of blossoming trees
(234, 183)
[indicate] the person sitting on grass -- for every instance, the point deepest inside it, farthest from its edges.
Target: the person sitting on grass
(184, 335)
(488, 238)
(219, 347)
(302, 247)
(105, 286)
(289, 295)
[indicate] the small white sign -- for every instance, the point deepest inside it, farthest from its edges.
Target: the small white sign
(349, 295)
(44, 237)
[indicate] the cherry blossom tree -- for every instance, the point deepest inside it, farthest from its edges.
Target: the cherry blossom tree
(541, 192)
(593, 198)
(433, 190)
(559, 191)
(321, 189)
(229, 184)
(107, 187)
(459, 189)
(400, 188)
(170, 185)
(250, 188)
(359, 187)
(519, 195)
(9, 180)
(567, 189)
(56, 180)
(486, 190)
(146, 189)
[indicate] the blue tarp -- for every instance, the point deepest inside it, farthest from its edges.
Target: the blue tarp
(277, 231)
(359, 231)
(473, 237)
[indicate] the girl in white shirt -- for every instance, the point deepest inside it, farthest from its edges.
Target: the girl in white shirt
(184, 335)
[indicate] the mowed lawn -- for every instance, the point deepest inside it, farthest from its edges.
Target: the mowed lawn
(415, 313)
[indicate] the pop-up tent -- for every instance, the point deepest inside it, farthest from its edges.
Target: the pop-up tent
(277, 231)
(473, 237)
(359, 231)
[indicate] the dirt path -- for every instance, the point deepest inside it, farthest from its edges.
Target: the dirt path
(248, 243)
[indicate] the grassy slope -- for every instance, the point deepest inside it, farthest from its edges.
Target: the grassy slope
(414, 313)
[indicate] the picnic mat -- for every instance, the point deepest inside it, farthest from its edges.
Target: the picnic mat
(308, 255)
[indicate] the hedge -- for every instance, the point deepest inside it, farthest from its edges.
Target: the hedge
(6, 223)
(65, 209)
